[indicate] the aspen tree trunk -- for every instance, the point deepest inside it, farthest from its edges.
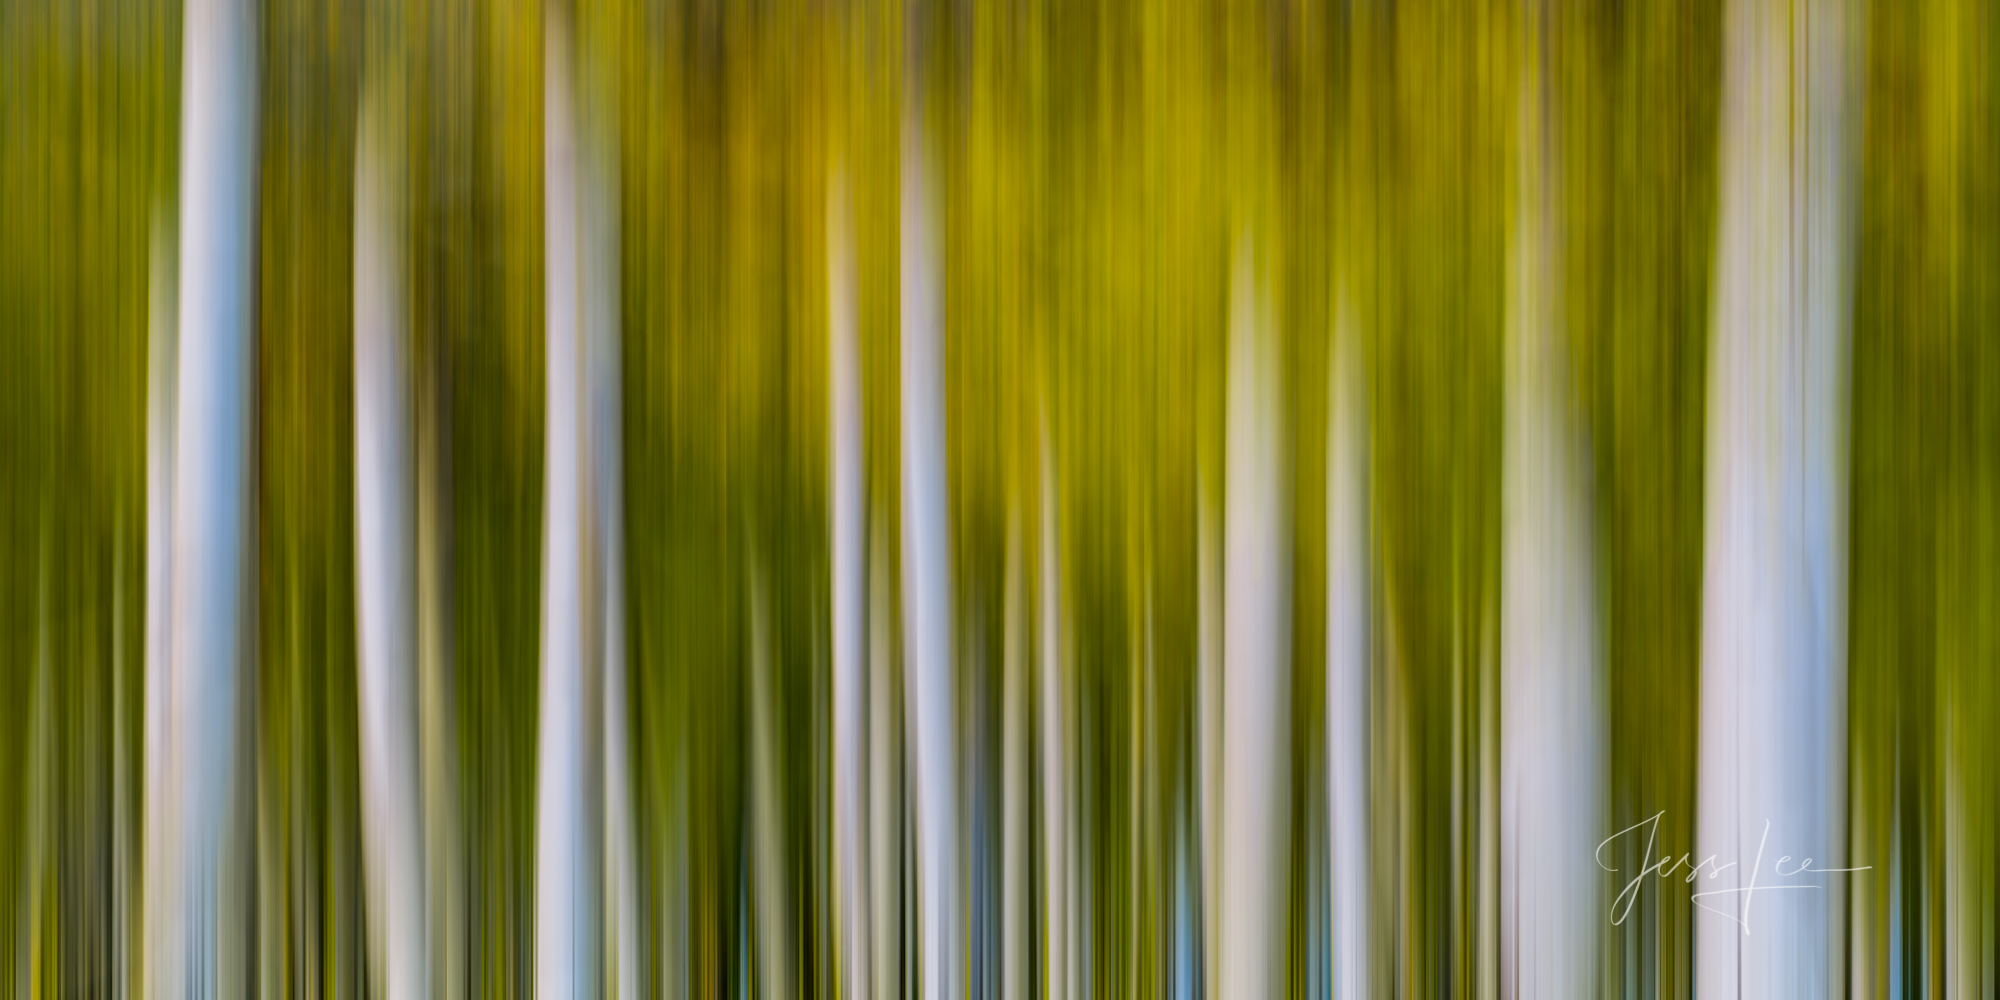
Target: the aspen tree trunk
(850, 595)
(1773, 661)
(1208, 695)
(604, 453)
(1552, 688)
(569, 943)
(204, 908)
(1057, 923)
(1256, 738)
(927, 581)
(161, 367)
(885, 772)
(1014, 874)
(384, 532)
(1348, 658)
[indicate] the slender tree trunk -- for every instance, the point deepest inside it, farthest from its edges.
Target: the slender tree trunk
(885, 772)
(774, 965)
(384, 531)
(604, 452)
(1058, 926)
(1257, 655)
(1208, 694)
(850, 595)
(1348, 658)
(927, 580)
(1014, 965)
(204, 908)
(569, 944)
(1552, 688)
(161, 367)
(119, 974)
(1773, 665)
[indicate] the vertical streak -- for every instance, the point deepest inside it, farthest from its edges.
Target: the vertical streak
(204, 905)
(1552, 692)
(392, 834)
(1209, 698)
(927, 584)
(436, 717)
(1348, 658)
(31, 973)
(1055, 771)
(1014, 779)
(161, 363)
(773, 916)
(1257, 654)
(603, 331)
(885, 773)
(1773, 665)
(568, 913)
(119, 957)
(851, 689)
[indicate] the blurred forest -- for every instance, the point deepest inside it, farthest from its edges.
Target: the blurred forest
(1097, 169)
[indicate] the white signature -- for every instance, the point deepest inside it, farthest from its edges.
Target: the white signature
(1622, 906)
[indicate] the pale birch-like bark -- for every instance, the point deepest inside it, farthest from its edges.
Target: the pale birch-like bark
(203, 908)
(850, 596)
(384, 533)
(119, 975)
(927, 581)
(605, 466)
(1014, 964)
(569, 943)
(1348, 658)
(161, 366)
(1552, 687)
(1056, 906)
(1208, 694)
(1773, 663)
(885, 773)
(1256, 738)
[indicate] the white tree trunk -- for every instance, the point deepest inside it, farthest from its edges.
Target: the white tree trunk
(885, 773)
(604, 397)
(569, 946)
(1256, 797)
(1552, 688)
(1208, 567)
(204, 908)
(927, 582)
(1773, 663)
(1055, 762)
(850, 595)
(161, 366)
(1348, 657)
(391, 799)
(1016, 982)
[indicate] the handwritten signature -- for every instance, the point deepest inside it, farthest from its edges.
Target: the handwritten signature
(1665, 866)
